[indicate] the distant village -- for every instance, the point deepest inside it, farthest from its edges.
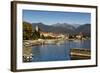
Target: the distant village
(51, 35)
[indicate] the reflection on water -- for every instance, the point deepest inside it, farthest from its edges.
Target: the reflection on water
(57, 52)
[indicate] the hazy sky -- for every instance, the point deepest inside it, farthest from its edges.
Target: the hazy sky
(53, 17)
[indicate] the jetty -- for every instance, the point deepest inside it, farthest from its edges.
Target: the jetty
(78, 54)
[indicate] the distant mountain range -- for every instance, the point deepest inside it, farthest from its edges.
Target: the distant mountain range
(70, 26)
(64, 28)
(85, 29)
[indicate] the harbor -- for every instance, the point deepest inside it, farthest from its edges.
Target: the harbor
(49, 50)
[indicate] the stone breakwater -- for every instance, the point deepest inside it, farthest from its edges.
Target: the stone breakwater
(78, 54)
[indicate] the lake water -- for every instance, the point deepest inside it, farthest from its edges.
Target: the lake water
(57, 52)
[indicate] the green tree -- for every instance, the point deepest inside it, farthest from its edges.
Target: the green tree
(27, 31)
(42, 36)
(36, 34)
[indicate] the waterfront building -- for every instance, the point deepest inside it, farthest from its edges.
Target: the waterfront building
(80, 36)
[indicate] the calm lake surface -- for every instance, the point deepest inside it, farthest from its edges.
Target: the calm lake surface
(57, 52)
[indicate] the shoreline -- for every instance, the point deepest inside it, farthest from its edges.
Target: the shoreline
(46, 41)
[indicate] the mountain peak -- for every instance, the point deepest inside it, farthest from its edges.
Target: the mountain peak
(64, 25)
(63, 28)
